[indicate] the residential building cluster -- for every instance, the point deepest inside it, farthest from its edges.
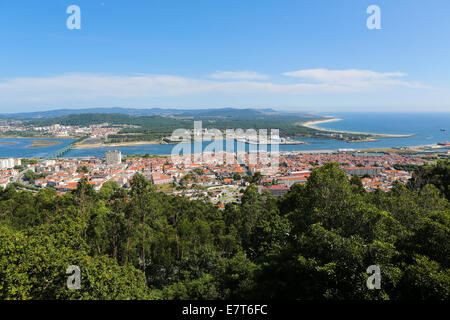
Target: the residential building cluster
(99, 131)
(9, 163)
(220, 182)
(7, 176)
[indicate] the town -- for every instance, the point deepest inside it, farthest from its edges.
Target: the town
(101, 130)
(218, 182)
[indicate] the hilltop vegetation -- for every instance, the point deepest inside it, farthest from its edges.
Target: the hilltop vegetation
(37, 115)
(135, 127)
(316, 242)
(88, 119)
(148, 128)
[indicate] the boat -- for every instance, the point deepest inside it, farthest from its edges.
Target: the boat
(442, 129)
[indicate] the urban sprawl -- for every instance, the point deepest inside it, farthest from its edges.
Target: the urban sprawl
(220, 182)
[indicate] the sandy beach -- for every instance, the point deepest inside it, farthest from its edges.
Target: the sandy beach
(313, 125)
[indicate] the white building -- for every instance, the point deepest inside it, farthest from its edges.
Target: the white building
(9, 163)
(113, 157)
(49, 163)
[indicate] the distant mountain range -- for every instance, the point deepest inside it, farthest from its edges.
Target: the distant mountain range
(213, 112)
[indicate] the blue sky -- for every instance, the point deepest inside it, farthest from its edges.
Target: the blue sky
(289, 55)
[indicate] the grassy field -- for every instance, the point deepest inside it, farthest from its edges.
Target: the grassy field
(165, 187)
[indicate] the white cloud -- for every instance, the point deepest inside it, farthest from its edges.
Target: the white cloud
(238, 75)
(326, 75)
(86, 87)
(353, 78)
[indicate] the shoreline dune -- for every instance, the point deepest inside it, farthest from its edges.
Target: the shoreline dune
(313, 125)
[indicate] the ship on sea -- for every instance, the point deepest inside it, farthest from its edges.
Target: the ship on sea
(442, 129)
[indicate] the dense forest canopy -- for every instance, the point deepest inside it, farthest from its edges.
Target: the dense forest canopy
(315, 242)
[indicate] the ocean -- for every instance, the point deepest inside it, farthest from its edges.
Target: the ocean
(429, 129)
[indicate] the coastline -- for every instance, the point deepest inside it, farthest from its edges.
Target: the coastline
(313, 125)
(407, 149)
(137, 143)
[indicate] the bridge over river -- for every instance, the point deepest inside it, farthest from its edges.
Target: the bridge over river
(63, 151)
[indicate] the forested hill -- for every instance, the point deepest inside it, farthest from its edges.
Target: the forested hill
(316, 242)
(218, 116)
(216, 112)
(66, 112)
(86, 119)
(156, 127)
